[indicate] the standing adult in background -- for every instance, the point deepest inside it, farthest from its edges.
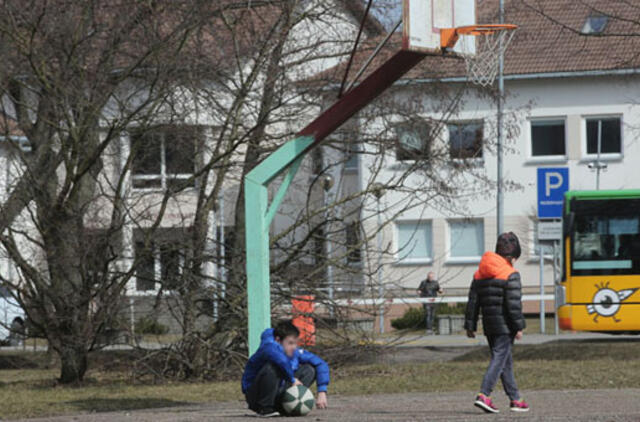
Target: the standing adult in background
(430, 288)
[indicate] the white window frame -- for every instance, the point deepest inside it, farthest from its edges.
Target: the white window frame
(585, 156)
(534, 159)
(587, 29)
(396, 243)
(463, 259)
(157, 272)
(163, 176)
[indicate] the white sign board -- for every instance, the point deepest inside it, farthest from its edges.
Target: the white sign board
(423, 20)
(549, 230)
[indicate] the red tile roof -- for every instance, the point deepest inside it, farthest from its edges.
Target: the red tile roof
(549, 40)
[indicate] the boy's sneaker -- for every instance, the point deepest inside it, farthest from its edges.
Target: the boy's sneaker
(265, 413)
(519, 406)
(485, 403)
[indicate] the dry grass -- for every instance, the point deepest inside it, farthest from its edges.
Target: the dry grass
(30, 393)
(560, 365)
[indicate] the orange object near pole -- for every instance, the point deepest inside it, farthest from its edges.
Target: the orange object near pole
(302, 319)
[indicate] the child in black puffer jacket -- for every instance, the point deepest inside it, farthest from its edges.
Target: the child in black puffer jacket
(497, 291)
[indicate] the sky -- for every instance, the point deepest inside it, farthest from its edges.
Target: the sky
(387, 11)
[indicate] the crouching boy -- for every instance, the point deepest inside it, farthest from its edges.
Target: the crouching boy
(279, 364)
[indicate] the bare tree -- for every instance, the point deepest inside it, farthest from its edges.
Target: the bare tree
(75, 78)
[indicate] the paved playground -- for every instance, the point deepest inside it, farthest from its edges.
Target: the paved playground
(577, 405)
(547, 405)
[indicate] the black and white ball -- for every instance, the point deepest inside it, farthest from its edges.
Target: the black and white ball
(298, 401)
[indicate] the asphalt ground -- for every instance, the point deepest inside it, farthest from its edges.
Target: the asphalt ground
(546, 405)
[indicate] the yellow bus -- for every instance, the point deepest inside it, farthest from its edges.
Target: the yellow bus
(600, 286)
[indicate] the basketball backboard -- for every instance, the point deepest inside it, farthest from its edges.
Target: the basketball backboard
(423, 20)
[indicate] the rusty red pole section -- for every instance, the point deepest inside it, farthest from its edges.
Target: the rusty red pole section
(357, 98)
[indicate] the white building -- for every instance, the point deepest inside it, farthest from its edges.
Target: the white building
(564, 77)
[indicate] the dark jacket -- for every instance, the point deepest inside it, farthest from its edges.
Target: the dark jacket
(429, 288)
(271, 351)
(497, 291)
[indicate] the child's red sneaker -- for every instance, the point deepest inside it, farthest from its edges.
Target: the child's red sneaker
(485, 403)
(519, 406)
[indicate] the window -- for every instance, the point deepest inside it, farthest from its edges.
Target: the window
(145, 270)
(413, 142)
(610, 135)
(595, 24)
(465, 140)
(547, 138)
(353, 242)
(160, 263)
(164, 157)
(352, 155)
(606, 237)
(414, 241)
(466, 239)
(171, 264)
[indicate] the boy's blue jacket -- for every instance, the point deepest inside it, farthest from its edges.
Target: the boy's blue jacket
(271, 351)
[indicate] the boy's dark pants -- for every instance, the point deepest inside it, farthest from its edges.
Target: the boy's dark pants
(501, 366)
(264, 394)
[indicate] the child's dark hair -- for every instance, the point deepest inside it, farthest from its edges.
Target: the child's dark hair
(508, 245)
(284, 329)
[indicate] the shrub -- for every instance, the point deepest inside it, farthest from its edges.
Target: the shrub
(148, 325)
(415, 318)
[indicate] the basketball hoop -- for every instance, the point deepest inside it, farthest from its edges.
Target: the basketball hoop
(482, 66)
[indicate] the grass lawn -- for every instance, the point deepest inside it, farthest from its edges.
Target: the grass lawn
(562, 365)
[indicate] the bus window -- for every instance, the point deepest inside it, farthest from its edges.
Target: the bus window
(606, 245)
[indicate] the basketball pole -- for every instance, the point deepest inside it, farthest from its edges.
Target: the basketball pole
(286, 160)
(499, 146)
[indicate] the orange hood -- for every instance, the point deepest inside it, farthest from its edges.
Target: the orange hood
(493, 265)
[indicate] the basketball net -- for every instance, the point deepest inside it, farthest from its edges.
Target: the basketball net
(483, 66)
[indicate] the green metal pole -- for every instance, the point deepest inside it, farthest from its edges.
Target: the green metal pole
(257, 250)
(258, 217)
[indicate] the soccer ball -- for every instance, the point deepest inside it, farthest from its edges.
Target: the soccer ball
(297, 401)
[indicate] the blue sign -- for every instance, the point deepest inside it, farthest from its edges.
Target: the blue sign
(552, 184)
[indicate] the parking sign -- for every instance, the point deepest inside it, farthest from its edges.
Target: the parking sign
(552, 184)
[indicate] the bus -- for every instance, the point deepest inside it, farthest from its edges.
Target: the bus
(600, 285)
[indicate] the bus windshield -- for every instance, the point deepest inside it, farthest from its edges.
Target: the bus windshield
(606, 237)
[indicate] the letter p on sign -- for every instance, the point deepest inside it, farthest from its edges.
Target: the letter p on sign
(552, 185)
(553, 180)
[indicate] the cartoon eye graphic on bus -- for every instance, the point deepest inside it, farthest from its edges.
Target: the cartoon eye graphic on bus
(606, 301)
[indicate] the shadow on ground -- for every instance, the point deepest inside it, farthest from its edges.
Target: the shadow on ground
(107, 405)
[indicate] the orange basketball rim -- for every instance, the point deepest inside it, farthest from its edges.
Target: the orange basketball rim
(449, 36)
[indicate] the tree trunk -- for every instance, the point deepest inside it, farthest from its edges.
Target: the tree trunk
(73, 362)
